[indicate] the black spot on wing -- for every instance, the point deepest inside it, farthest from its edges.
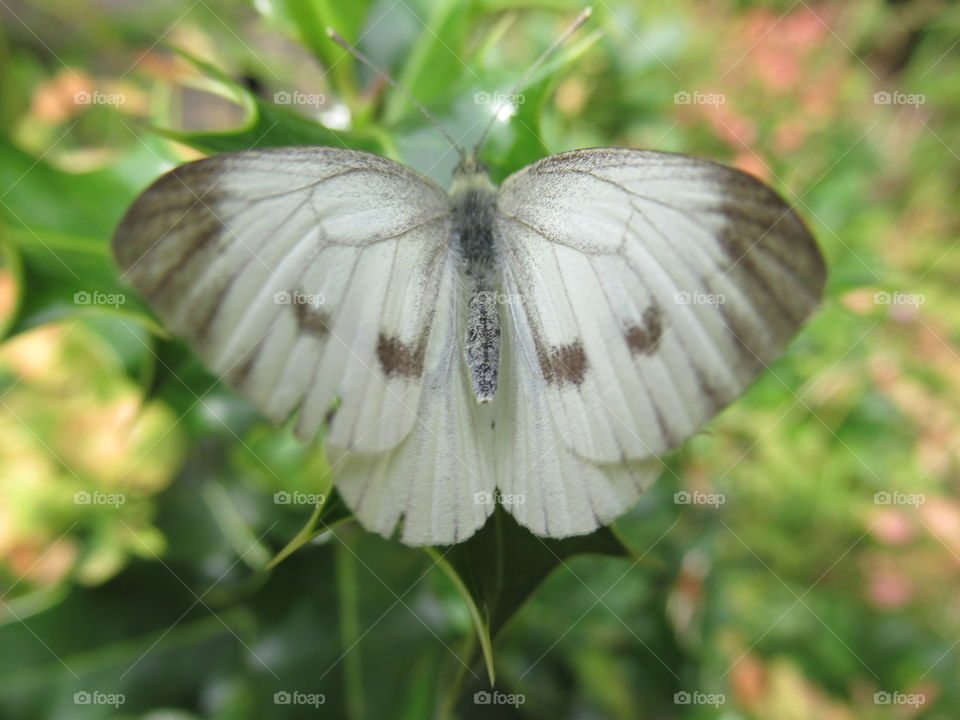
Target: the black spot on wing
(644, 338)
(563, 364)
(398, 358)
(310, 318)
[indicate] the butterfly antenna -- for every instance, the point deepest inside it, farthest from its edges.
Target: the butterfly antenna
(339, 40)
(564, 36)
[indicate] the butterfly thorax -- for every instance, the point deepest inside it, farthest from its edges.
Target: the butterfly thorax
(473, 241)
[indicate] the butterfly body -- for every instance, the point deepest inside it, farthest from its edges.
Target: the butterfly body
(473, 199)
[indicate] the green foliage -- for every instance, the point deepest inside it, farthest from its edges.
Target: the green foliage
(231, 570)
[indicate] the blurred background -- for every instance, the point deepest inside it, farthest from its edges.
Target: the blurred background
(799, 559)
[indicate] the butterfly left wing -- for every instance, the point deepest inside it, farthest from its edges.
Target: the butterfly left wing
(318, 282)
(305, 276)
(645, 292)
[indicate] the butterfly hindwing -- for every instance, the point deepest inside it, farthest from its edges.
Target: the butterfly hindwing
(440, 479)
(548, 487)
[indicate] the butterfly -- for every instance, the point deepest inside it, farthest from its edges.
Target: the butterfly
(538, 345)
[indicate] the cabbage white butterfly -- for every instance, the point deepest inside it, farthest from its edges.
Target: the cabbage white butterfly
(540, 344)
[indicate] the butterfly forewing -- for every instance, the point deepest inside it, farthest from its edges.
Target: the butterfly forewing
(650, 289)
(301, 275)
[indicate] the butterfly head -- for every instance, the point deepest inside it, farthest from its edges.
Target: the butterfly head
(469, 165)
(470, 174)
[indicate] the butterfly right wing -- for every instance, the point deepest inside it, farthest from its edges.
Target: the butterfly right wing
(645, 291)
(306, 276)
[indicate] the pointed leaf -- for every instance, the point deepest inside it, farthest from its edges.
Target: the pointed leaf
(325, 516)
(499, 568)
(266, 125)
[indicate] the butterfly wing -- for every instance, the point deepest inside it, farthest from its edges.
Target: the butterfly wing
(311, 279)
(646, 291)
(440, 479)
(548, 487)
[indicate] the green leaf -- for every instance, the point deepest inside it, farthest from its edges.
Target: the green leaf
(523, 143)
(434, 64)
(499, 568)
(266, 125)
(56, 230)
(308, 20)
(325, 516)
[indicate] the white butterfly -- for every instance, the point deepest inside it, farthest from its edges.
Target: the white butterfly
(540, 344)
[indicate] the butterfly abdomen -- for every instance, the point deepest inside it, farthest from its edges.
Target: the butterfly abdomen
(482, 346)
